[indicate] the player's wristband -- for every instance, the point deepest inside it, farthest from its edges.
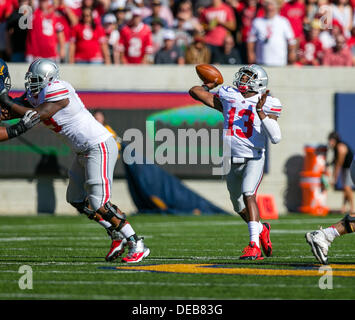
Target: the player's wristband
(205, 87)
(16, 130)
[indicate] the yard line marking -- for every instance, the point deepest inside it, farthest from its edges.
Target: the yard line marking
(174, 224)
(217, 269)
(229, 222)
(283, 231)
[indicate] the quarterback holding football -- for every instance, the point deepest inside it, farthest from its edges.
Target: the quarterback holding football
(250, 117)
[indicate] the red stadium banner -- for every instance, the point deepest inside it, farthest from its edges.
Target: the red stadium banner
(131, 100)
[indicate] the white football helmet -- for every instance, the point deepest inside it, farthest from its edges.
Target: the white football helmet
(39, 74)
(257, 79)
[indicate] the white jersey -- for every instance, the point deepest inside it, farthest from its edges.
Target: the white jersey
(74, 122)
(271, 37)
(243, 132)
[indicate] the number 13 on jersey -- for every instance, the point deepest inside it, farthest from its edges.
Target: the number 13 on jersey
(246, 114)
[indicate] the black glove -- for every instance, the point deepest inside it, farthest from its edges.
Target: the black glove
(30, 119)
(5, 100)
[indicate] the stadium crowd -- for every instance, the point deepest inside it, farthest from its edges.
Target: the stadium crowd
(267, 32)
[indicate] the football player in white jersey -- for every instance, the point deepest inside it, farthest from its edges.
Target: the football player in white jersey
(91, 174)
(250, 117)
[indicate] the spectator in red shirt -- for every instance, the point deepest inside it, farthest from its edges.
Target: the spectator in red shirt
(295, 12)
(339, 55)
(217, 19)
(46, 34)
(98, 9)
(311, 50)
(88, 41)
(65, 16)
(135, 43)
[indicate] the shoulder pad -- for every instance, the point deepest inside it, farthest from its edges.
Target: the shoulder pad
(55, 91)
(225, 92)
(272, 106)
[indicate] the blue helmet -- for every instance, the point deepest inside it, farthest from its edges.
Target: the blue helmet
(5, 80)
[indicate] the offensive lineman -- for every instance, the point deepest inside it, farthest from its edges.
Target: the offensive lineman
(250, 116)
(91, 174)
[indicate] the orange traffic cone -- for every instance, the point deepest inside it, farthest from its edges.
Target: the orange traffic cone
(313, 198)
(267, 206)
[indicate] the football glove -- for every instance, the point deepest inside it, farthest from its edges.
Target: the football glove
(30, 119)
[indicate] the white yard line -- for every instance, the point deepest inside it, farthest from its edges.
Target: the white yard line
(170, 224)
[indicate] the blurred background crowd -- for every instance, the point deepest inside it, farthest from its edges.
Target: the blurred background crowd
(268, 32)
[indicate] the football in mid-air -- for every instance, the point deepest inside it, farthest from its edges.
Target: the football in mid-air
(208, 73)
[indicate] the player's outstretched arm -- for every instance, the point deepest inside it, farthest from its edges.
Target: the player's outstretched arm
(201, 93)
(45, 110)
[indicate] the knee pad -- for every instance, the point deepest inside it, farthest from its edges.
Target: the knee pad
(347, 221)
(82, 207)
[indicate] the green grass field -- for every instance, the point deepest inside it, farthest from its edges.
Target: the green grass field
(67, 254)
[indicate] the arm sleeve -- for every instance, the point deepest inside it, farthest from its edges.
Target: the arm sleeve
(272, 129)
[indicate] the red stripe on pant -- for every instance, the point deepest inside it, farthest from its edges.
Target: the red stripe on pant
(256, 190)
(104, 173)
